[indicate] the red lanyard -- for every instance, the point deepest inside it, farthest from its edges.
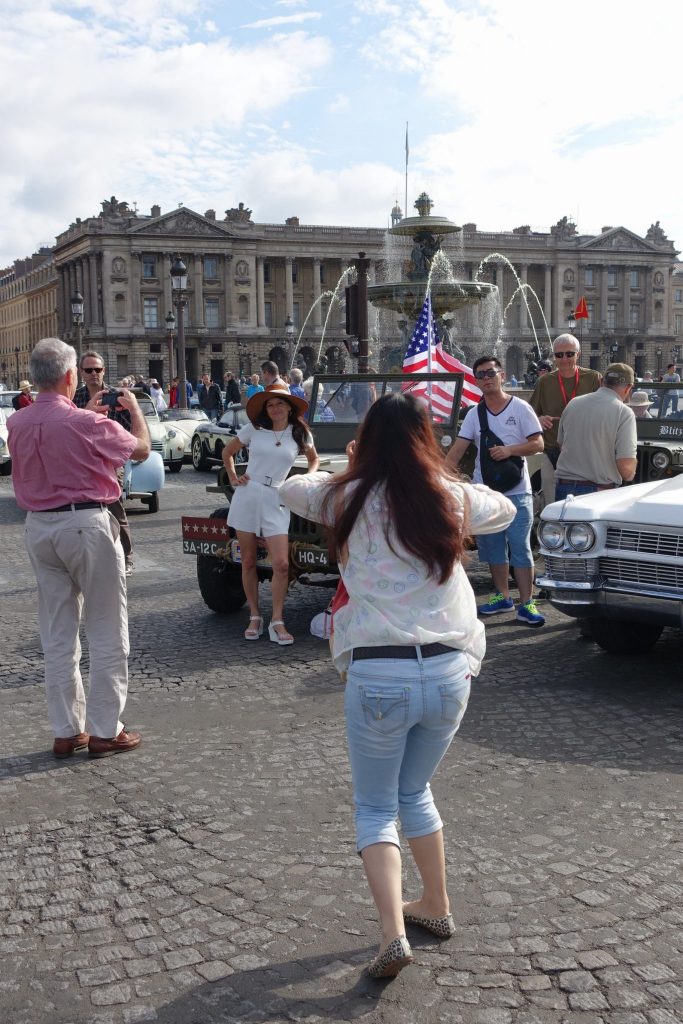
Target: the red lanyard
(576, 386)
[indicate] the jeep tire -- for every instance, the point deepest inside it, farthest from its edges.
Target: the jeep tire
(220, 584)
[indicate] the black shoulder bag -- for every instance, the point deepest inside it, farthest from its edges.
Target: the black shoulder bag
(499, 476)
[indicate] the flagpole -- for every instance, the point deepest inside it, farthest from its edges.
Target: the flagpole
(405, 209)
(430, 346)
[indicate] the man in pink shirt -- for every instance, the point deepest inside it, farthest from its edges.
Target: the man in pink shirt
(64, 462)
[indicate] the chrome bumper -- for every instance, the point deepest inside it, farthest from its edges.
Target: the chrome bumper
(598, 599)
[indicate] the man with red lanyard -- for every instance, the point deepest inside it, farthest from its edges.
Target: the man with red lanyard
(552, 394)
(64, 462)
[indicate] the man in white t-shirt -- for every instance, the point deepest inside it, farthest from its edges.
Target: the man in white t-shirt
(516, 425)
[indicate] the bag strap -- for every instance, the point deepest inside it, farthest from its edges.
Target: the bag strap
(483, 418)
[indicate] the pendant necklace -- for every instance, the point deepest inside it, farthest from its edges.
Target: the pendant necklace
(278, 440)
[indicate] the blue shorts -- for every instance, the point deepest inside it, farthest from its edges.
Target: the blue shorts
(513, 545)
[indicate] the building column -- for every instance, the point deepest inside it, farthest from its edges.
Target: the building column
(260, 293)
(227, 286)
(168, 286)
(500, 284)
(626, 300)
(317, 312)
(558, 300)
(135, 267)
(604, 296)
(87, 310)
(289, 288)
(198, 271)
(523, 318)
(547, 294)
(94, 299)
(647, 298)
(65, 319)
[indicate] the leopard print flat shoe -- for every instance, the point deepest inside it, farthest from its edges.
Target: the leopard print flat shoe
(395, 957)
(442, 927)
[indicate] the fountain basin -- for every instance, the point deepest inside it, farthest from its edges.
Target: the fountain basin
(407, 297)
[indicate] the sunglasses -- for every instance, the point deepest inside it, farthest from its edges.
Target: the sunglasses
(565, 355)
(93, 369)
(483, 374)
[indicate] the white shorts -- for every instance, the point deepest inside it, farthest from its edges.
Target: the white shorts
(255, 508)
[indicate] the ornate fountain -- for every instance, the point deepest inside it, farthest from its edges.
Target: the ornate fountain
(406, 297)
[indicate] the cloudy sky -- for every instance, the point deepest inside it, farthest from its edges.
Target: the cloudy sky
(520, 111)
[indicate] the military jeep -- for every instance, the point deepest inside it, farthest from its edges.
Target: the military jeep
(338, 405)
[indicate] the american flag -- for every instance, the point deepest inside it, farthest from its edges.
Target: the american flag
(426, 355)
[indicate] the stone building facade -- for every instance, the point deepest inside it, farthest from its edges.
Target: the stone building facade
(28, 312)
(246, 280)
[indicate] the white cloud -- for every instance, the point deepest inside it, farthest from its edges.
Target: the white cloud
(285, 19)
(340, 103)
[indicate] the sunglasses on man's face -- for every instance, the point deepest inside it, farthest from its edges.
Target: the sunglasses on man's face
(93, 369)
(565, 355)
(483, 374)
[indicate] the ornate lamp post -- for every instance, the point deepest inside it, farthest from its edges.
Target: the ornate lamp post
(289, 335)
(170, 328)
(16, 362)
(179, 283)
(77, 321)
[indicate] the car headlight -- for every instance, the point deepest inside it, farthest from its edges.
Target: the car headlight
(170, 433)
(661, 460)
(580, 536)
(552, 535)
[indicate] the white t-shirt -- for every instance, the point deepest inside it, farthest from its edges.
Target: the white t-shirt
(514, 424)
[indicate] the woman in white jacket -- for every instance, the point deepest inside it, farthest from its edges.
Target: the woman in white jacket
(409, 639)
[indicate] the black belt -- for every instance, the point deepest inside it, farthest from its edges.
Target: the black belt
(586, 483)
(76, 506)
(401, 651)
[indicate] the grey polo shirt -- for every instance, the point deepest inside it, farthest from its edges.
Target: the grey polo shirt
(596, 430)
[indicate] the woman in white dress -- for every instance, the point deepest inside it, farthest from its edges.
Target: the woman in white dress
(275, 435)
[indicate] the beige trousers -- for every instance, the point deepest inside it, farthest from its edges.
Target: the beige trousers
(78, 561)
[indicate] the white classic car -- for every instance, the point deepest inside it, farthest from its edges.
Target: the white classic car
(5, 457)
(181, 424)
(615, 560)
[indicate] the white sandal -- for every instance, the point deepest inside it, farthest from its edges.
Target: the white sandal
(283, 639)
(251, 633)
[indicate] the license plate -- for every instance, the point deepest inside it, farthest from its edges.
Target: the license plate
(262, 556)
(203, 547)
(310, 558)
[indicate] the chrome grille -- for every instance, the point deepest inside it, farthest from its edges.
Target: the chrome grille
(648, 542)
(573, 570)
(158, 446)
(645, 574)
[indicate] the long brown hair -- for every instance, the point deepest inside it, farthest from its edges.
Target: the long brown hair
(300, 431)
(396, 448)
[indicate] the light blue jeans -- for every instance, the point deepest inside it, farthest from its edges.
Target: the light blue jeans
(401, 716)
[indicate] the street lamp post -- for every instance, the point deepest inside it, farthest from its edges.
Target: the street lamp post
(170, 327)
(289, 334)
(77, 321)
(179, 284)
(658, 353)
(16, 362)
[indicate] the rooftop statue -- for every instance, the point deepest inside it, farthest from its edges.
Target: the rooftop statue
(238, 214)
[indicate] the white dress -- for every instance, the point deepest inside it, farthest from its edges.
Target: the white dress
(256, 507)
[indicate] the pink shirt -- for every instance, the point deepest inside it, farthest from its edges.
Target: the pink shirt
(62, 454)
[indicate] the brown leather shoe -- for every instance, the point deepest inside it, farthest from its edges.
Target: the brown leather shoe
(64, 746)
(101, 747)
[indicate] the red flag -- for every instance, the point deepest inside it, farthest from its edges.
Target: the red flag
(581, 312)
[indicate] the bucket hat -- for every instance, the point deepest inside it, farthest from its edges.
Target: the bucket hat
(640, 398)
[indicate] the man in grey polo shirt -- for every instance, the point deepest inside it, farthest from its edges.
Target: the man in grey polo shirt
(597, 436)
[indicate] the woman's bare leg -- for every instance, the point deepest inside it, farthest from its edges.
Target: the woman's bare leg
(430, 859)
(382, 864)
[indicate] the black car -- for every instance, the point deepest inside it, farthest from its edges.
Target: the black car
(209, 439)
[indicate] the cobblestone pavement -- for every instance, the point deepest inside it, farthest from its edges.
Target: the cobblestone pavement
(211, 875)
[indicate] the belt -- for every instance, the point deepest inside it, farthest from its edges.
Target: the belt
(401, 651)
(267, 481)
(76, 506)
(587, 483)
